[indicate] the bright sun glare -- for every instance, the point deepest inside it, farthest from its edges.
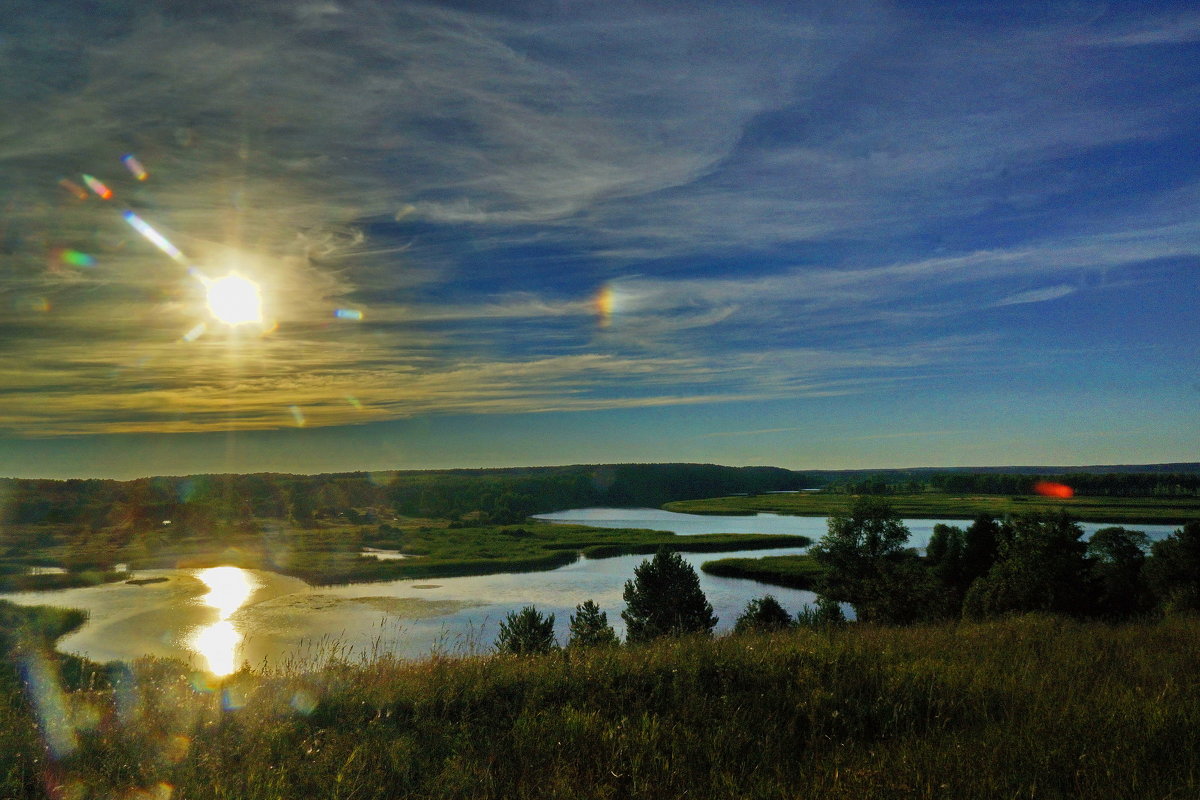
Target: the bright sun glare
(235, 300)
(228, 590)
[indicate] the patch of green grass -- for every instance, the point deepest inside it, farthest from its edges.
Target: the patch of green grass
(1028, 707)
(932, 505)
(794, 572)
(63, 580)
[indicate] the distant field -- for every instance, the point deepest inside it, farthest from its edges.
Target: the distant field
(1130, 510)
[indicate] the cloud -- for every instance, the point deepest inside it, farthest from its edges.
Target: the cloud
(781, 202)
(1037, 295)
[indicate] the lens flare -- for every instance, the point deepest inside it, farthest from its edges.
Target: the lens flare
(348, 313)
(153, 236)
(49, 702)
(74, 188)
(102, 191)
(235, 300)
(1048, 489)
(195, 333)
(134, 166)
(77, 259)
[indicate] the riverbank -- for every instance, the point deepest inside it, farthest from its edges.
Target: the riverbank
(1024, 707)
(931, 505)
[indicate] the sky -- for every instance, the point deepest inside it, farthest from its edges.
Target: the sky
(815, 235)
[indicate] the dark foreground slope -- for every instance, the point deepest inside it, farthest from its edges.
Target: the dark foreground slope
(1030, 707)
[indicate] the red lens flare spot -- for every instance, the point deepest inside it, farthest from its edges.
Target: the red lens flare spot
(1048, 489)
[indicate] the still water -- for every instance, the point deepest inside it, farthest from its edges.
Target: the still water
(220, 618)
(812, 527)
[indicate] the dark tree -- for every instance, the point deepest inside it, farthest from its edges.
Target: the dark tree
(525, 632)
(867, 565)
(590, 628)
(1042, 566)
(664, 599)
(763, 615)
(1174, 569)
(1117, 558)
(944, 555)
(981, 546)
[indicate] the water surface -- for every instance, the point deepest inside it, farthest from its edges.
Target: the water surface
(218, 619)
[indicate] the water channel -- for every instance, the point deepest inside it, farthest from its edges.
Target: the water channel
(220, 618)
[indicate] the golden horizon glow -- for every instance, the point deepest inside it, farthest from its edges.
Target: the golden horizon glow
(235, 300)
(228, 590)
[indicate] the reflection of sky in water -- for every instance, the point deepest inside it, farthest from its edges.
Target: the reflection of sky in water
(228, 589)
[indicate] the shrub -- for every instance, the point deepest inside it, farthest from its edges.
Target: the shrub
(763, 615)
(526, 631)
(590, 628)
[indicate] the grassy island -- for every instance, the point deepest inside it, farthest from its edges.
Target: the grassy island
(793, 572)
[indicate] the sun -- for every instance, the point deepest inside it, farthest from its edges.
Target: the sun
(235, 300)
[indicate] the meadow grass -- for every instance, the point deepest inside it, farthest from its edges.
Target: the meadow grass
(1032, 707)
(934, 505)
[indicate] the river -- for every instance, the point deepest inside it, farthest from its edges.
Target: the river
(220, 618)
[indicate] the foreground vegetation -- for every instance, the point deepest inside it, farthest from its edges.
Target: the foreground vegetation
(1035, 706)
(933, 505)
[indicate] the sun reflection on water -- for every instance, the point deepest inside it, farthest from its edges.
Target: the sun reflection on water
(228, 590)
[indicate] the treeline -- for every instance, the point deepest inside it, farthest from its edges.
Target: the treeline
(1086, 484)
(504, 496)
(206, 504)
(499, 496)
(1025, 563)
(1112, 484)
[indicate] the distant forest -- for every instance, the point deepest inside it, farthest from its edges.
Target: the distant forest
(502, 496)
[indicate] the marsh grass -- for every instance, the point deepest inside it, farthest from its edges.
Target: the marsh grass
(794, 572)
(1035, 707)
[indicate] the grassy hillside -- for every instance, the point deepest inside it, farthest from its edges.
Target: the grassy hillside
(1028, 707)
(931, 505)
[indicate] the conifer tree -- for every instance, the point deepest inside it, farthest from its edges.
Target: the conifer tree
(664, 599)
(590, 628)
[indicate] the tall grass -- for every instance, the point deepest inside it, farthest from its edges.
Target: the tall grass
(1034, 707)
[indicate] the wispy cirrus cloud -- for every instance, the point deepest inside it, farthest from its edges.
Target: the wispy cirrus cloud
(1037, 295)
(779, 200)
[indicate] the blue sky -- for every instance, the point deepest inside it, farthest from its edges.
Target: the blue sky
(815, 235)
